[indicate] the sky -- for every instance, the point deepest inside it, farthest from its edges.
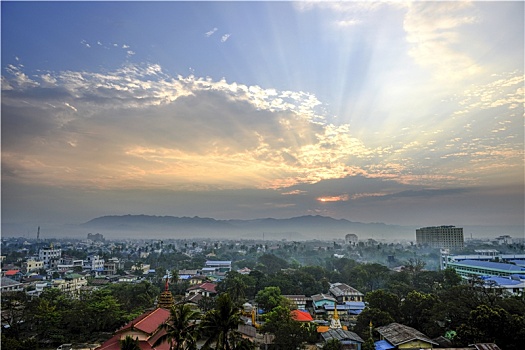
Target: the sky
(407, 113)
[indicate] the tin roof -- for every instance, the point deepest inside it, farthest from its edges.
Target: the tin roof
(397, 334)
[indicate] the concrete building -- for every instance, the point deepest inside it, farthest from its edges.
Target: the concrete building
(32, 265)
(50, 257)
(440, 237)
(351, 239)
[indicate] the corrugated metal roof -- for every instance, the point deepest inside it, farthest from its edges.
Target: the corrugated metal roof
(486, 346)
(398, 334)
(490, 265)
(341, 334)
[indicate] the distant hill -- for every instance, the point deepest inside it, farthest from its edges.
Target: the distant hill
(296, 228)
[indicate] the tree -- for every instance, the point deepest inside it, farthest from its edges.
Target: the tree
(221, 323)
(269, 298)
(289, 334)
(416, 310)
(369, 315)
(235, 285)
(384, 301)
(333, 344)
(487, 325)
(270, 263)
(129, 343)
(181, 329)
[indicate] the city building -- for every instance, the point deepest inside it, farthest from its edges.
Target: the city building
(343, 292)
(481, 255)
(50, 256)
(219, 266)
(351, 239)
(32, 265)
(440, 237)
(398, 336)
(468, 269)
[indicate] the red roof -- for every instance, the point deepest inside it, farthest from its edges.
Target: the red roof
(11, 272)
(207, 286)
(148, 322)
(301, 316)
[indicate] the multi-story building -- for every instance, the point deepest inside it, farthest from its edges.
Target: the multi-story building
(112, 265)
(50, 256)
(440, 236)
(32, 265)
(343, 292)
(351, 239)
(94, 263)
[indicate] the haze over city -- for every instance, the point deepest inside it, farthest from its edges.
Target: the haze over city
(406, 113)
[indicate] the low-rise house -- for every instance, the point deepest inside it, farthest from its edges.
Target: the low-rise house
(222, 266)
(10, 285)
(71, 283)
(299, 301)
(349, 340)
(15, 275)
(318, 302)
(206, 289)
(31, 265)
(403, 337)
(145, 328)
(343, 292)
(500, 285)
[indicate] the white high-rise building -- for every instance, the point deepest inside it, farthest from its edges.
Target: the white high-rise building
(49, 256)
(440, 237)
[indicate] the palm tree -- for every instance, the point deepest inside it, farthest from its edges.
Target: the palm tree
(129, 343)
(220, 323)
(181, 330)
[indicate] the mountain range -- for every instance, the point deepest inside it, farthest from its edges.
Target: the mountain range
(296, 228)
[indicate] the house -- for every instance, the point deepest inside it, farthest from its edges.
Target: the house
(301, 316)
(403, 337)
(144, 328)
(319, 301)
(206, 289)
(32, 265)
(349, 340)
(298, 300)
(343, 292)
(10, 285)
(221, 266)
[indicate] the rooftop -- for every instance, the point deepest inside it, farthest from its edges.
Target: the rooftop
(490, 265)
(398, 334)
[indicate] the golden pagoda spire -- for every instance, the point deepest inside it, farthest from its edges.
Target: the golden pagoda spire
(335, 323)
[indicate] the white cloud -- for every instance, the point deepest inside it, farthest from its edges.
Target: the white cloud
(211, 32)
(225, 37)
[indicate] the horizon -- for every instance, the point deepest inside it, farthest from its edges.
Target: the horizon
(405, 113)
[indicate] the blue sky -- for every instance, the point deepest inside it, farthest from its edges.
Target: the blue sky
(407, 113)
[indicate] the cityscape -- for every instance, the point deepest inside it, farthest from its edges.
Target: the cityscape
(283, 175)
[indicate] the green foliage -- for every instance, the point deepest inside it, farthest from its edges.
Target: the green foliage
(417, 311)
(384, 301)
(487, 325)
(220, 324)
(289, 334)
(181, 328)
(376, 316)
(333, 344)
(269, 263)
(129, 343)
(269, 298)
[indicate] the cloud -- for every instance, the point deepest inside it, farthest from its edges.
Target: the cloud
(433, 30)
(225, 37)
(140, 127)
(339, 198)
(211, 32)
